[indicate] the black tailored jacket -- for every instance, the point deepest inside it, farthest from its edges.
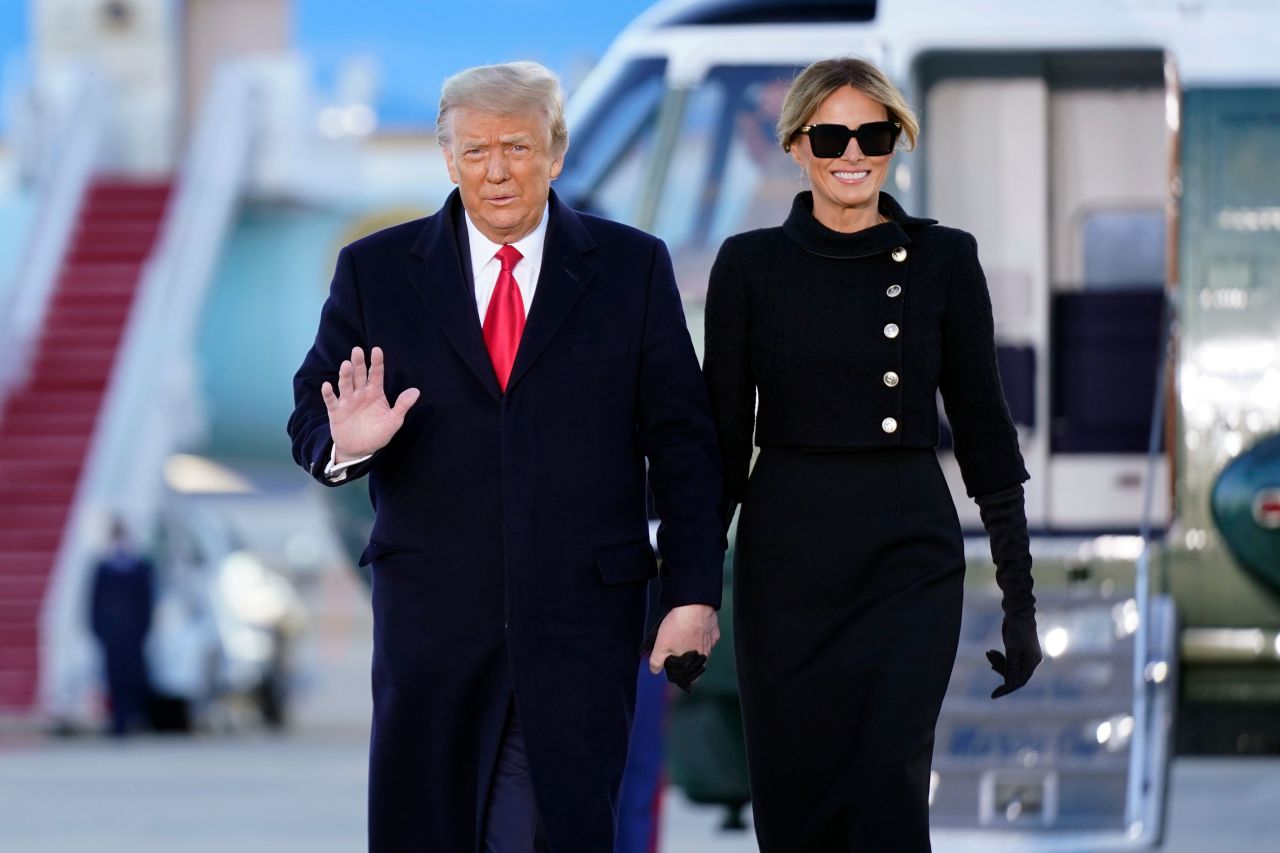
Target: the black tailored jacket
(847, 338)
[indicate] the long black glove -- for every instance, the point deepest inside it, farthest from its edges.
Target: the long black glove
(1005, 518)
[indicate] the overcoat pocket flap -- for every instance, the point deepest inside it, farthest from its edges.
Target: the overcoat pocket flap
(599, 350)
(626, 563)
(382, 551)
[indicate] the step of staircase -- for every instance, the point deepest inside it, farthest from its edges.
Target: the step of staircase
(57, 339)
(99, 275)
(60, 471)
(36, 493)
(18, 687)
(1054, 753)
(80, 314)
(24, 568)
(27, 517)
(27, 540)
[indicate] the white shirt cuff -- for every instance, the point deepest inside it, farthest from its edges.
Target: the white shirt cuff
(336, 472)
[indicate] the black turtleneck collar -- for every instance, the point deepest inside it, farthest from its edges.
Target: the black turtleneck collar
(812, 236)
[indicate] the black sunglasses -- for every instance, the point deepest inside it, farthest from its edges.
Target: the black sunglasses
(875, 138)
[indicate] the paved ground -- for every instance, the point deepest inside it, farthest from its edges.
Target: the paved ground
(201, 795)
(250, 792)
(260, 794)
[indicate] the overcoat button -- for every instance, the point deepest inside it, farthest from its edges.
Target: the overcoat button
(893, 291)
(899, 254)
(891, 379)
(891, 330)
(889, 425)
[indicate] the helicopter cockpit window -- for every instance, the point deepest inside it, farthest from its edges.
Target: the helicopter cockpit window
(609, 147)
(680, 204)
(727, 173)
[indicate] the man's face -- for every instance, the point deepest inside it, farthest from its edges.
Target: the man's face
(503, 166)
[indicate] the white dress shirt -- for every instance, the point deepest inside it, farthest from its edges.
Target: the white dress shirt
(485, 267)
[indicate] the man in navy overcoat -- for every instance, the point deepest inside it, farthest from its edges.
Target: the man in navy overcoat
(510, 551)
(120, 604)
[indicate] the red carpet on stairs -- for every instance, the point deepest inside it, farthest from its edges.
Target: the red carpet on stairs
(46, 425)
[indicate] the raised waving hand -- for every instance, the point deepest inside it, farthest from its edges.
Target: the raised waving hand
(361, 421)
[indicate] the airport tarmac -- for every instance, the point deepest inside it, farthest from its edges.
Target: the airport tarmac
(253, 792)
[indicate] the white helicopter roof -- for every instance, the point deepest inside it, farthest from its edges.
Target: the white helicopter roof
(1210, 41)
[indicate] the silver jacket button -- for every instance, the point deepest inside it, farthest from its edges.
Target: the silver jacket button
(889, 425)
(891, 379)
(893, 291)
(899, 254)
(891, 330)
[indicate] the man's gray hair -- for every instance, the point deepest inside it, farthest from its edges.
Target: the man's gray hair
(512, 88)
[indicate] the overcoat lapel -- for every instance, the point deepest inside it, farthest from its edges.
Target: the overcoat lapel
(441, 282)
(565, 275)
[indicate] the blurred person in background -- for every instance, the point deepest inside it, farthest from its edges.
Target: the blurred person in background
(847, 320)
(510, 549)
(121, 604)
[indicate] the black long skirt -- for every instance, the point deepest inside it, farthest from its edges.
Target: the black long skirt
(849, 575)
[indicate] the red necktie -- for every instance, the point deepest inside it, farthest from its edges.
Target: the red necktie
(504, 321)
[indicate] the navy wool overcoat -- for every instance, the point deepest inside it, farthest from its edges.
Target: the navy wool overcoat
(510, 549)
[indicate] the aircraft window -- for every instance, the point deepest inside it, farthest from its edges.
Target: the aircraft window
(727, 173)
(608, 148)
(1245, 175)
(1110, 328)
(679, 206)
(1123, 249)
(615, 197)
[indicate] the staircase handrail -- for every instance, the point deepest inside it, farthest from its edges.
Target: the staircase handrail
(150, 406)
(77, 134)
(1139, 784)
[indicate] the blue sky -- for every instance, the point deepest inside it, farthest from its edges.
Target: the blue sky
(418, 43)
(13, 28)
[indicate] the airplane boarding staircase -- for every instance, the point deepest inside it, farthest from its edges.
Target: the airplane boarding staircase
(1078, 759)
(47, 423)
(1050, 766)
(101, 329)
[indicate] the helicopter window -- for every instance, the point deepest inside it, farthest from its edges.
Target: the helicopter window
(760, 179)
(686, 179)
(1109, 328)
(1123, 249)
(609, 147)
(616, 195)
(727, 174)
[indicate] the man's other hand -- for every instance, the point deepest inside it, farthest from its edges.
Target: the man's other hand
(693, 627)
(361, 422)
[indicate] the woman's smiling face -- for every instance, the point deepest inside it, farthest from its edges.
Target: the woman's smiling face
(846, 189)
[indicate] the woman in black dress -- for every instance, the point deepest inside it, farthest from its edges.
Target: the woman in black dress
(846, 321)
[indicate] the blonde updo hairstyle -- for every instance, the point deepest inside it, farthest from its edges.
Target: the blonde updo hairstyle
(814, 84)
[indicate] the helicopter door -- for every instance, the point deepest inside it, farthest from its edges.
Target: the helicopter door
(1058, 164)
(986, 167)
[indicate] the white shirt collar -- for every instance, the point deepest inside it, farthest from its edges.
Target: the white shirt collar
(483, 249)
